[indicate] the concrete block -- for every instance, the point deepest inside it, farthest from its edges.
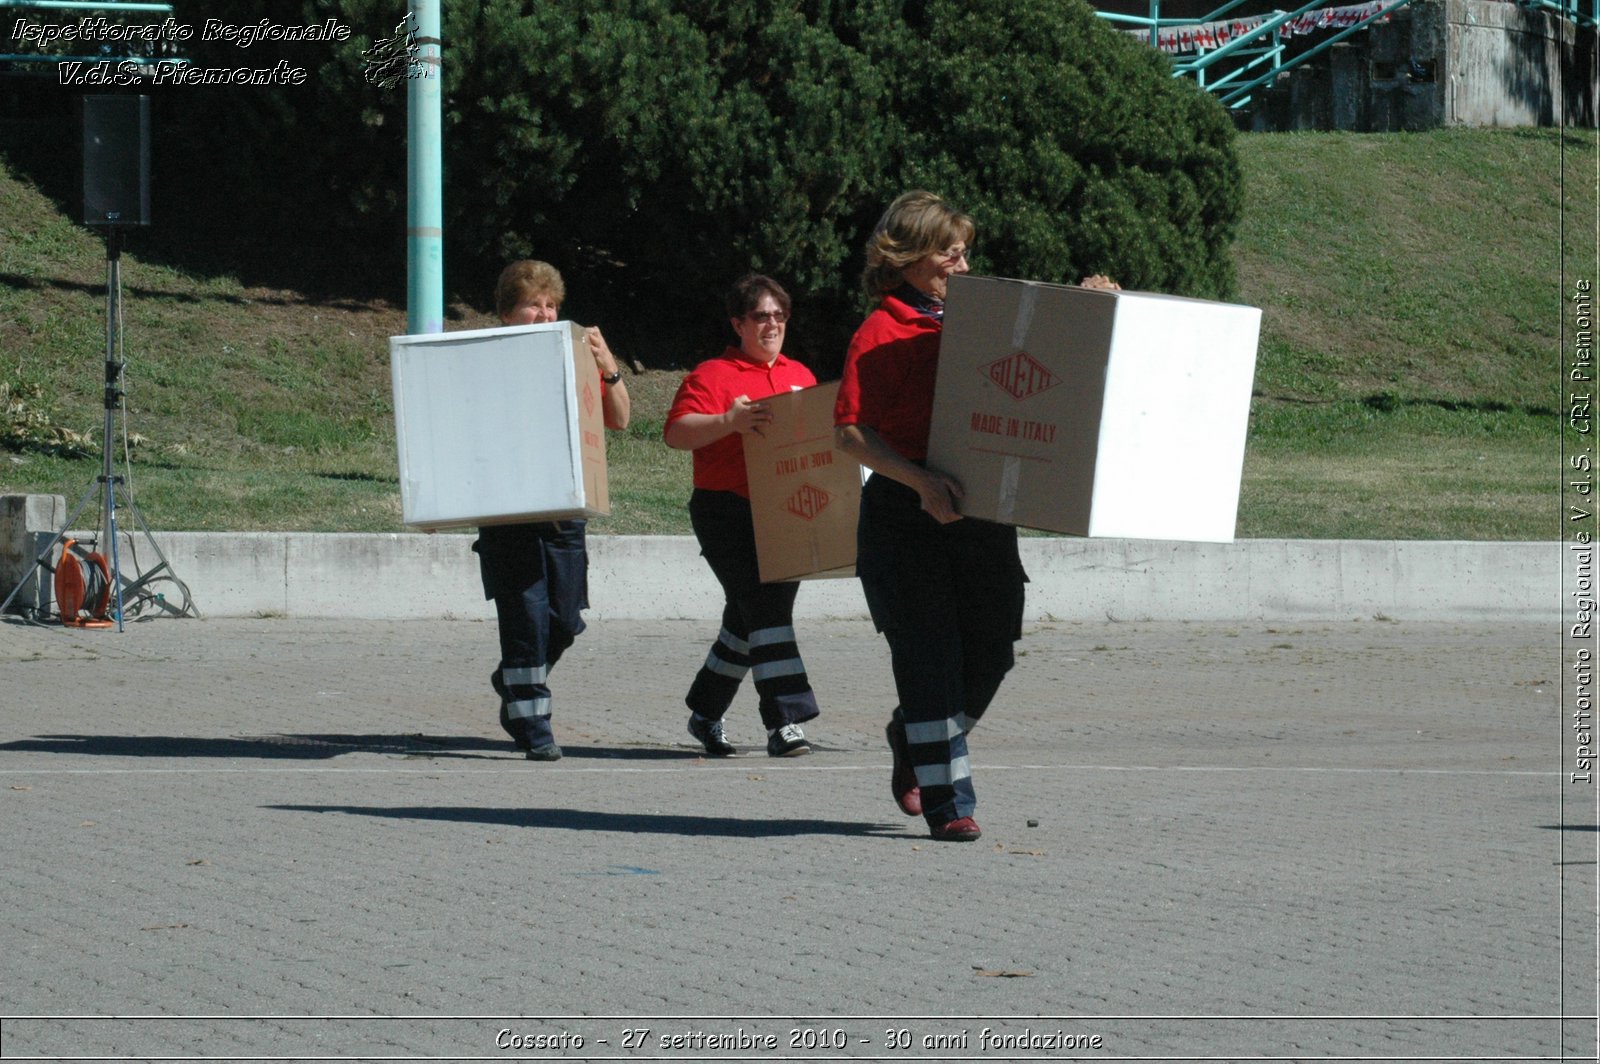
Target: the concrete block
(1429, 19)
(397, 575)
(1350, 85)
(664, 578)
(410, 576)
(650, 577)
(229, 574)
(1289, 580)
(1472, 581)
(27, 525)
(1309, 107)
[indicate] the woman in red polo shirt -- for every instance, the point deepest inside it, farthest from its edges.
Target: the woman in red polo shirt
(715, 406)
(945, 591)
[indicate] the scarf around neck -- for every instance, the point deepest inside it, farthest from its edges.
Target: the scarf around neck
(921, 302)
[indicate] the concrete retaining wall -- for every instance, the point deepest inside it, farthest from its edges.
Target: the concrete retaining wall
(1505, 65)
(1442, 63)
(298, 574)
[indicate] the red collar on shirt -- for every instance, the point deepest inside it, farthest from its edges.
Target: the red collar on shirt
(745, 362)
(905, 314)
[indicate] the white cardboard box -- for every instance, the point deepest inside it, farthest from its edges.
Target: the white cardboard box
(805, 496)
(1094, 413)
(495, 426)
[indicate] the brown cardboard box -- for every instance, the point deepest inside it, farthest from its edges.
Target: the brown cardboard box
(1094, 413)
(804, 495)
(495, 426)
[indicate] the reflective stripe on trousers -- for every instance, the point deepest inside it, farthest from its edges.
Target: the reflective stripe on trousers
(537, 575)
(757, 633)
(948, 598)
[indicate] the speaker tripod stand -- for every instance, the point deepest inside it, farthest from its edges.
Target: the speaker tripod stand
(94, 585)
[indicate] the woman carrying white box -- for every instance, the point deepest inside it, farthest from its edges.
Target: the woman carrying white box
(945, 591)
(537, 573)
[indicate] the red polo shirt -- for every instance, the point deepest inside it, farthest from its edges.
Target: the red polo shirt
(711, 388)
(888, 377)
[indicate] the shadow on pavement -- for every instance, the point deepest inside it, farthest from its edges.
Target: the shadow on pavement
(284, 747)
(582, 820)
(310, 747)
(632, 753)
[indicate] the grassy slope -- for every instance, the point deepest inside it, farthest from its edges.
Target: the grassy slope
(1407, 385)
(1409, 372)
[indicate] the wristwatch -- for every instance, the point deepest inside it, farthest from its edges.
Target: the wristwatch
(611, 378)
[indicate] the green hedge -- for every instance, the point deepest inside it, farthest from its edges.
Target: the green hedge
(655, 149)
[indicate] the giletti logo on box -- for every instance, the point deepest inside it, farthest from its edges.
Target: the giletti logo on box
(588, 398)
(808, 502)
(1019, 374)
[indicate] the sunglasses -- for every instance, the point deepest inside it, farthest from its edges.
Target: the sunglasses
(762, 317)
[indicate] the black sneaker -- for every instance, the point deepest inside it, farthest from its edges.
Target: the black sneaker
(709, 732)
(531, 736)
(788, 741)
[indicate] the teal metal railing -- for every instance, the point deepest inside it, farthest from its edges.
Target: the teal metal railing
(1240, 95)
(1258, 54)
(1575, 11)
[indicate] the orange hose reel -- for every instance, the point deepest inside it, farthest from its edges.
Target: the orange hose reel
(83, 586)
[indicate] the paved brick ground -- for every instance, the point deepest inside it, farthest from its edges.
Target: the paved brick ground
(1230, 842)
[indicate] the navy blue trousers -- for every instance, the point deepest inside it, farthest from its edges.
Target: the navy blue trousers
(948, 599)
(757, 621)
(538, 577)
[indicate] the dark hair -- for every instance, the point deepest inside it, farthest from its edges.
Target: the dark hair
(748, 290)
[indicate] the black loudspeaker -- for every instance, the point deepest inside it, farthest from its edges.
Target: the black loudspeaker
(116, 160)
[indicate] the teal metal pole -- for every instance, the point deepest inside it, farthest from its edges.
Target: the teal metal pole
(425, 174)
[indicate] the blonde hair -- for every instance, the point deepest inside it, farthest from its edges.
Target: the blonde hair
(916, 225)
(524, 280)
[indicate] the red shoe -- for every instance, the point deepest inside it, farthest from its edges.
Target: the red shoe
(902, 778)
(961, 829)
